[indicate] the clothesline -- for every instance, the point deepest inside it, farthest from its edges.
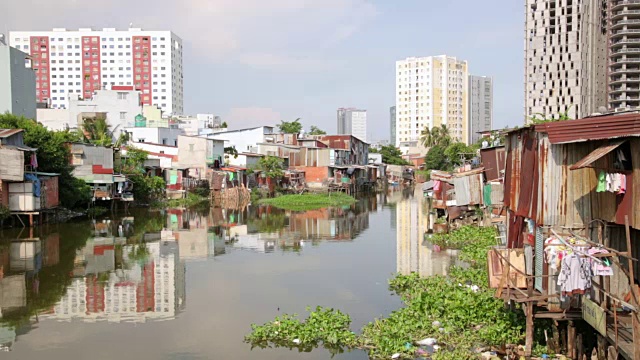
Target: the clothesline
(574, 248)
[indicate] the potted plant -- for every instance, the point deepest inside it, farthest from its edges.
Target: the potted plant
(440, 226)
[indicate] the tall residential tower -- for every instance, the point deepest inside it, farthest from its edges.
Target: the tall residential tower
(565, 57)
(72, 64)
(480, 106)
(352, 121)
(431, 91)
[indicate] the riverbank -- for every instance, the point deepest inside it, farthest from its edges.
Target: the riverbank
(454, 315)
(308, 201)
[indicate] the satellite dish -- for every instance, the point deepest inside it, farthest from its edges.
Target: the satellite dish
(602, 109)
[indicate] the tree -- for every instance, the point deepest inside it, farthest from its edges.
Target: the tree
(53, 156)
(224, 125)
(457, 152)
(231, 150)
(316, 131)
(438, 135)
(290, 127)
(272, 166)
(145, 188)
(96, 131)
(391, 155)
(436, 158)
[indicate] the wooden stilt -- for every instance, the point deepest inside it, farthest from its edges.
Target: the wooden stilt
(579, 349)
(529, 330)
(602, 348)
(571, 340)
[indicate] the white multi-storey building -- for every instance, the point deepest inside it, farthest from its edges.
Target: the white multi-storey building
(353, 122)
(430, 91)
(72, 64)
(566, 58)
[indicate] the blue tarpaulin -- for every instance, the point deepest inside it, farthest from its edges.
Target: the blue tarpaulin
(36, 183)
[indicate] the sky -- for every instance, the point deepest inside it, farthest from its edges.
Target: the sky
(256, 62)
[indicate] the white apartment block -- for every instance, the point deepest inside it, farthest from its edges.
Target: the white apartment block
(74, 64)
(353, 122)
(431, 91)
(565, 58)
(480, 106)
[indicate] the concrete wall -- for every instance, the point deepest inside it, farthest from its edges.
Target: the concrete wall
(121, 107)
(248, 161)
(55, 119)
(156, 135)
(246, 140)
(198, 153)
(153, 114)
(85, 157)
(17, 84)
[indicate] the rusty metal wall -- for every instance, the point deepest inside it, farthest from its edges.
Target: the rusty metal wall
(493, 161)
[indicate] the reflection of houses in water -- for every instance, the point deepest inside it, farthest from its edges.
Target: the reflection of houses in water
(20, 262)
(411, 254)
(119, 282)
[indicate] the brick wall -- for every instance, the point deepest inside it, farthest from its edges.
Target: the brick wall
(313, 174)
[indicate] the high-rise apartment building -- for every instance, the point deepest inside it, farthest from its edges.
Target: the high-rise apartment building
(72, 64)
(565, 57)
(624, 55)
(431, 91)
(352, 121)
(480, 106)
(392, 120)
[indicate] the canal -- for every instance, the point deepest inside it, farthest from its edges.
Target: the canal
(180, 284)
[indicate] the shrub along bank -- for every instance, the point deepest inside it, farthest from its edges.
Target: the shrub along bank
(458, 312)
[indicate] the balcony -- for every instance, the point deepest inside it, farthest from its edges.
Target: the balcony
(623, 80)
(626, 61)
(622, 42)
(626, 51)
(625, 22)
(623, 3)
(624, 71)
(624, 98)
(623, 13)
(626, 32)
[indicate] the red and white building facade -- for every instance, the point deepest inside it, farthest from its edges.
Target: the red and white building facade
(73, 64)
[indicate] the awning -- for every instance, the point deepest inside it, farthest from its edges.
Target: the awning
(597, 154)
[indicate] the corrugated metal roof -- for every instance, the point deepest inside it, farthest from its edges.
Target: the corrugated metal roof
(8, 132)
(597, 154)
(596, 128)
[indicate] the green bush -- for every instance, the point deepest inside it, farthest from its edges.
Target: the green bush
(147, 188)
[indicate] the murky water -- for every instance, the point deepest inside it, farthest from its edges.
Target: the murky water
(179, 284)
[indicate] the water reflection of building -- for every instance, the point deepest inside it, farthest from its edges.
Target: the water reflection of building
(412, 254)
(119, 282)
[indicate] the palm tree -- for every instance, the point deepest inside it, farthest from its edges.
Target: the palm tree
(438, 135)
(96, 131)
(426, 137)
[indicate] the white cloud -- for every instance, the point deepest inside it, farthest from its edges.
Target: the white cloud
(283, 31)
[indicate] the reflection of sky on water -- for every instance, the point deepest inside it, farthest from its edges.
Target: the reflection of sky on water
(105, 287)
